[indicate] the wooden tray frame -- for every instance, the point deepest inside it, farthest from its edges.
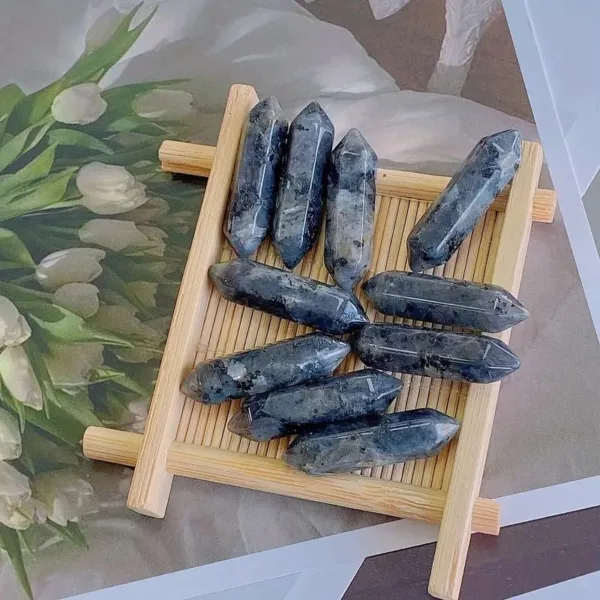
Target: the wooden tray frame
(157, 455)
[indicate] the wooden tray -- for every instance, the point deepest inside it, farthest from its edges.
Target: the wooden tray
(186, 438)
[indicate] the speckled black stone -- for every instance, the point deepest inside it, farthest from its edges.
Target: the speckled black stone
(445, 301)
(372, 442)
(450, 219)
(301, 194)
(435, 353)
(350, 210)
(289, 296)
(252, 203)
(264, 369)
(288, 411)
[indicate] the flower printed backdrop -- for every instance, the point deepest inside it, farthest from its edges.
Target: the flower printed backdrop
(86, 296)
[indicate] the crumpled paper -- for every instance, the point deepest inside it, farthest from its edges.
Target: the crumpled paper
(547, 425)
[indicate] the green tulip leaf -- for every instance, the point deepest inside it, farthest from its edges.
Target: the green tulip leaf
(64, 326)
(41, 196)
(101, 374)
(41, 453)
(39, 167)
(10, 150)
(9, 540)
(73, 137)
(33, 108)
(9, 97)
(12, 249)
(71, 533)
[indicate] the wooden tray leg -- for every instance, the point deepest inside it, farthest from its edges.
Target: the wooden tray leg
(151, 484)
(474, 438)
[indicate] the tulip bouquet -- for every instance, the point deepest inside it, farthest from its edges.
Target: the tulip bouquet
(93, 242)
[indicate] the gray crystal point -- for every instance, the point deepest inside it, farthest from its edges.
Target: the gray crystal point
(372, 442)
(450, 219)
(445, 301)
(288, 296)
(301, 193)
(350, 210)
(252, 201)
(288, 411)
(435, 353)
(264, 369)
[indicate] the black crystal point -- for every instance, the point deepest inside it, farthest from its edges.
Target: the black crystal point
(252, 203)
(450, 219)
(434, 299)
(372, 442)
(264, 369)
(284, 412)
(435, 353)
(289, 296)
(350, 210)
(301, 192)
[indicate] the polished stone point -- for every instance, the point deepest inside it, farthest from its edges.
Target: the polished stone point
(264, 369)
(372, 442)
(350, 210)
(434, 299)
(291, 410)
(450, 219)
(434, 353)
(301, 194)
(289, 296)
(252, 203)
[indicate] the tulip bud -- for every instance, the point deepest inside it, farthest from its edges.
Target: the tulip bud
(10, 436)
(70, 365)
(74, 265)
(109, 189)
(79, 298)
(164, 105)
(67, 496)
(14, 329)
(79, 105)
(18, 510)
(19, 378)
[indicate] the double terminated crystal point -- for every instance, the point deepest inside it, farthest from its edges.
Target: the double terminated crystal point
(252, 201)
(434, 353)
(372, 442)
(288, 296)
(445, 301)
(301, 192)
(264, 369)
(285, 412)
(449, 220)
(350, 210)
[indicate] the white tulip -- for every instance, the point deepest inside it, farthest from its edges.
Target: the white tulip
(79, 105)
(79, 298)
(10, 436)
(67, 496)
(144, 291)
(122, 320)
(74, 265)
(18, 510)
(139, 410)
(70, 365)
(156, 238)
(102, 29)
(109, 189)
(19, 378)
(113, 234)
(164, 105)
(14, 329)
(154, 209)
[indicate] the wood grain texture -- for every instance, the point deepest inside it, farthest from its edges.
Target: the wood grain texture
(274, 476)
(196, 159)
(151, 484)
(480, 406)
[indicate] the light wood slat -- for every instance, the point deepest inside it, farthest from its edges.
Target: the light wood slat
(471, 451)
(274, 476)
(197, 159)
(151, 484)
